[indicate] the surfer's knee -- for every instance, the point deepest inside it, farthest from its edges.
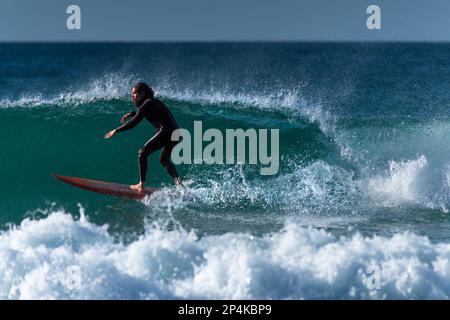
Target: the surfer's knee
(142, 154)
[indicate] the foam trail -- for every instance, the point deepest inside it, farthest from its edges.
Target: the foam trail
(318, 189)
(58, 257)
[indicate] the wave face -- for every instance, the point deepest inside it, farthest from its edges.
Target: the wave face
(364, 163)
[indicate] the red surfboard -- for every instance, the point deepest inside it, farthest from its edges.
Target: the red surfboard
(109, 188)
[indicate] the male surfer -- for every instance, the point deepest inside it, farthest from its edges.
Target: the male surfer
(157, 113)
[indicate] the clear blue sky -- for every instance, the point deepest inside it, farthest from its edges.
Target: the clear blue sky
(224, 20)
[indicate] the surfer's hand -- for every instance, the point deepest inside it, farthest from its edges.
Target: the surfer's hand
(125, 117)
(110, 134)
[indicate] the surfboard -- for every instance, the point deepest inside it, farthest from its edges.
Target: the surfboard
(109, 188)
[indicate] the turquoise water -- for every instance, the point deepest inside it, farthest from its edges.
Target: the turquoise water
(364, 162)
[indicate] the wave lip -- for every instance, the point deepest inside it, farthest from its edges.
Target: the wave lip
(113, 86)
(107, 87)
(59, 257)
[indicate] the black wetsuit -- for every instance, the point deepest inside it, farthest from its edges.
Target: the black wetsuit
(157, 113)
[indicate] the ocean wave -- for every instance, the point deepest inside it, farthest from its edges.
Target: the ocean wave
(58, 257)
(116, 87)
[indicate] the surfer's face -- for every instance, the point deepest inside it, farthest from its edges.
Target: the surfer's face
(136, 96)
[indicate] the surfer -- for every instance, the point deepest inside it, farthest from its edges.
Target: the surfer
(157, 113)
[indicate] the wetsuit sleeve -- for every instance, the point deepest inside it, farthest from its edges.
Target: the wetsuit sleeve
(133, 113)
(138, 116)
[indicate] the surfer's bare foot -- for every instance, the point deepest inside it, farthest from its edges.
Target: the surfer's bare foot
(138, 187)
(178, 182)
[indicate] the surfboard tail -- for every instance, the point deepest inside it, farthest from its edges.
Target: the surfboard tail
(104, 187)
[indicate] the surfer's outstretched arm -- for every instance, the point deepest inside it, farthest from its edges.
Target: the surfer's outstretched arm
(139, 115)
(134, 122)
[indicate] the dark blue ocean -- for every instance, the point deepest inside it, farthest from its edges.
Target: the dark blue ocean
(364, 177)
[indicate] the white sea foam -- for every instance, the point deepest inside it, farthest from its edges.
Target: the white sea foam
(58, 257)
(403, 182)
(412, 183)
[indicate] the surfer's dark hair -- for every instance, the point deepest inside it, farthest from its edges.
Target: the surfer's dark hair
(142, 87)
